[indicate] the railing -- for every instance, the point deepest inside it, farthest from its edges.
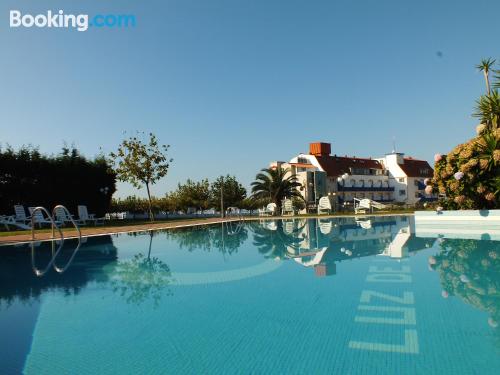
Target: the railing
(364, 188)
(54, 226)
(68, 216)
(53, 223)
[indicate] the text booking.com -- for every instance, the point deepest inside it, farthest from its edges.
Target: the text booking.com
(79, 22)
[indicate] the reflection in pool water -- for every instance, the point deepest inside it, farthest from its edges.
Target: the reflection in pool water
(470, 270)
(350, 295)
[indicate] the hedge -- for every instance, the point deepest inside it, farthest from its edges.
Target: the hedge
(29, 178)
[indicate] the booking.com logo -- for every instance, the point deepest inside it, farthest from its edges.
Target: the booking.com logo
(80, 22)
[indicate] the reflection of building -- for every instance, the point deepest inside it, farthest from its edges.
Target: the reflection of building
(322, 243)
(392, 178)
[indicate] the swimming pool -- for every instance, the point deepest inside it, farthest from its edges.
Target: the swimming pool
(304, 296)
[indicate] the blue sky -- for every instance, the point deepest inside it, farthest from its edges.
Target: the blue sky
(232, 85)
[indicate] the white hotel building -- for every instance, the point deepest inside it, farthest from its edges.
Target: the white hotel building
(392, 178)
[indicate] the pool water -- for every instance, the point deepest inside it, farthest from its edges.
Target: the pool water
(304, 296)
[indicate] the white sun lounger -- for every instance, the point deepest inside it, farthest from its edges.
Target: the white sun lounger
(84, 216)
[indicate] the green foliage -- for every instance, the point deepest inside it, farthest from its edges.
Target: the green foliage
(469, 270)
(478, 162)
(142, 279)
(253, 204)
(469, 176)
(299, 203)
(192, 194)
(141, 163)
(225, 238)
(200, 195)
(275, 184)
(234, 192)
(30, 178)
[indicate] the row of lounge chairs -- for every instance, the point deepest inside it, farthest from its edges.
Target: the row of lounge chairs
(324, 207)
(61, 217)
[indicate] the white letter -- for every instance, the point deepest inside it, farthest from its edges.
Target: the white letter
(52, 19)
(82, 21)
(28, 20)
(15, 18)
(40, 20)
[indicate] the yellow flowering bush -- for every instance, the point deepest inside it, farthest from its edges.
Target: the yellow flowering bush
(468, 177)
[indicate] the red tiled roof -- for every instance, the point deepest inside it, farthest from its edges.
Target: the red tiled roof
(338, 165)
(416, 168)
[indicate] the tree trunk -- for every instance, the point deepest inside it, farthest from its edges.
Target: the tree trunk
(151, 216)
(150, 244)
(487, 79)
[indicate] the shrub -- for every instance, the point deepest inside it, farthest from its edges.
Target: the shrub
(29, 178)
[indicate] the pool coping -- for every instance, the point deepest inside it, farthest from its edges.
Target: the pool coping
(102, 231)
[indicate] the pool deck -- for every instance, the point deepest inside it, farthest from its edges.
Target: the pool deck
(104, 230)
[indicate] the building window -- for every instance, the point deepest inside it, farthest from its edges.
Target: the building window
(402, 192)
(402, 179)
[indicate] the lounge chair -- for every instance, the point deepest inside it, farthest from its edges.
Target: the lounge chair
(324, 205)
(20, 216)
(269, 210)
(84, 216)
(8, 221)
(39, 219)
(287, 207)
(63, 217)
(325, 226)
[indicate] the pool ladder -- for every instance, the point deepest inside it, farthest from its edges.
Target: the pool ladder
(54, 226)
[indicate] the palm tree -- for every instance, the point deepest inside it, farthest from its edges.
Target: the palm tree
(485, 67)
(275, 184)
(488, 109)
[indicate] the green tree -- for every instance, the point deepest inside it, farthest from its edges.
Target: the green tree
(233, 192)
(192, 194)
(141, 163)
(275, 184)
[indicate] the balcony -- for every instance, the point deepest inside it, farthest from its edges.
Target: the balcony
(364, 188)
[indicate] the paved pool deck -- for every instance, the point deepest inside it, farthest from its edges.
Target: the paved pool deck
(103, 230)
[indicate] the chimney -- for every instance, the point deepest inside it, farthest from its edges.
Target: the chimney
(320, 149)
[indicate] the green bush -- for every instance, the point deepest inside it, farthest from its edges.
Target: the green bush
(469, 176)
(29, 178)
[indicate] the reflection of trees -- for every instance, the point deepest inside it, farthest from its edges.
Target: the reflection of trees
(142, 278)
(470, 270)
(226, 237)
(273, 243)
(17, 279)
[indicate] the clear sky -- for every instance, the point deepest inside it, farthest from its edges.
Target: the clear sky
(232, 85)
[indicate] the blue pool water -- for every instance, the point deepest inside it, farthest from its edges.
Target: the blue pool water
(330, 296)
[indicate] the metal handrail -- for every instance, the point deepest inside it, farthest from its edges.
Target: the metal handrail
(52, 260)
(68, 215)
(68, 263)
(54, 253)
(53, 223)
